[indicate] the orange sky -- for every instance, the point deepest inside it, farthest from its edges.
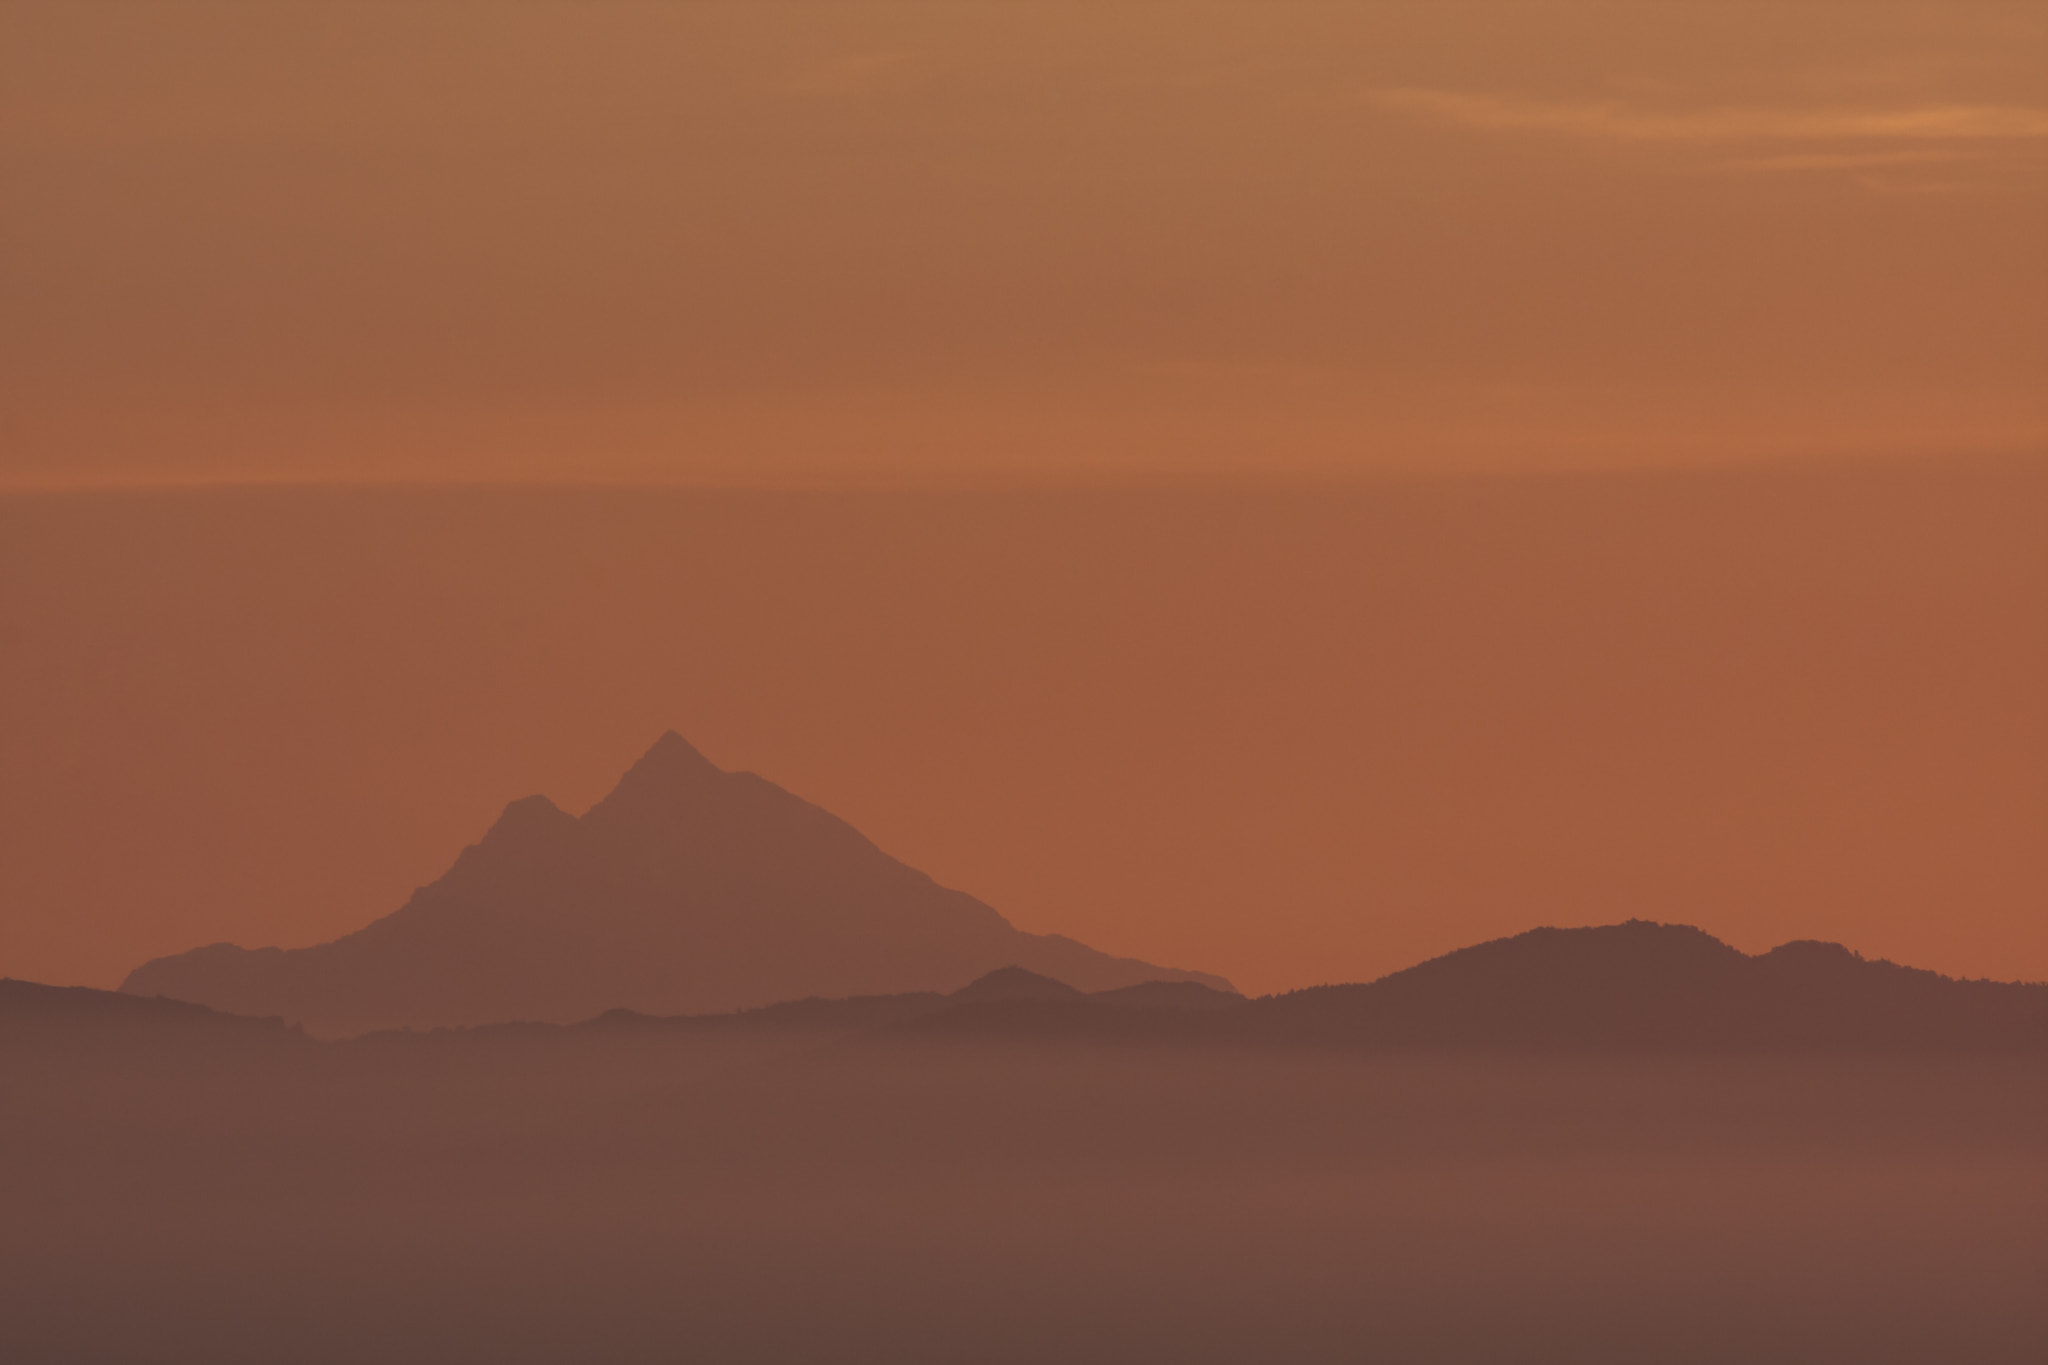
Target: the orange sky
(1288, 737)
(1319, 726)
(1023, 241)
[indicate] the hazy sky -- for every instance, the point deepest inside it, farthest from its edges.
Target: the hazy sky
(778, 241)
(881, 242)
(1287, 737)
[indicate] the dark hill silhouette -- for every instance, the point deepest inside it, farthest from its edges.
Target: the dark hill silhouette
(1657, 986)
(37, 1017)
(1007, 1000)
(1014, 983)
(1637, 986)
(1169, 997)
(686, 890)
(1634, 987)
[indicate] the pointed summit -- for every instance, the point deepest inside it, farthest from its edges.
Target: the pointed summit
(672, 753)
(671, 768)
(686, 890)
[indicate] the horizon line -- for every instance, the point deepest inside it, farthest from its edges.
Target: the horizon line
(1023, 483)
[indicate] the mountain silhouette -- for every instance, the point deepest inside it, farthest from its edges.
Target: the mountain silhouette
(1633, 987)
(37, 1017)
(1641, 985)
(1009, 1000)
(686, 890)
(1014, 983)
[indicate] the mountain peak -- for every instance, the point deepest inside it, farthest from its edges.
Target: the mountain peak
(672, 752)
(1015, 983)
(671, 766)
(527, 816)
(687, 889)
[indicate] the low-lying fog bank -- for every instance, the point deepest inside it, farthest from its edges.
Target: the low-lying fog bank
(639, 1198)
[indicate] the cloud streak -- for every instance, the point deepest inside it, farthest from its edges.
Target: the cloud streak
(1854, 161)
(1613, 121)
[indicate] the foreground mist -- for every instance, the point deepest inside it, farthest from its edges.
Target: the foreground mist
(627, 1195)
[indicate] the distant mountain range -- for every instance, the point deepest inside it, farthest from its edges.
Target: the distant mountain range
(61, 1020)
(1659, 986)
(696, 900)
(686, 890)
(1636, 987)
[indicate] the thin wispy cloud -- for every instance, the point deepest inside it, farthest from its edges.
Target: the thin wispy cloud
(1853, 161)
(1615, 121)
